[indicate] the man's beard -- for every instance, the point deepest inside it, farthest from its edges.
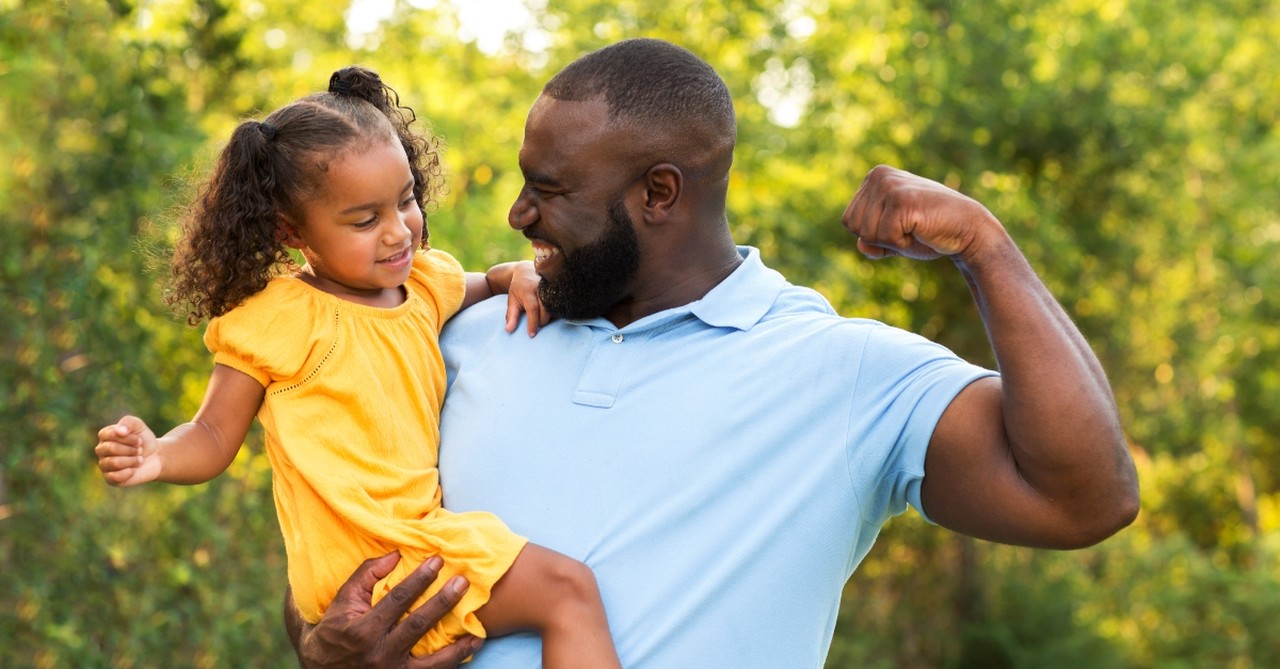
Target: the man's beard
(594, 277)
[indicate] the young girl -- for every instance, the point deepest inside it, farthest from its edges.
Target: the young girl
(339, 359)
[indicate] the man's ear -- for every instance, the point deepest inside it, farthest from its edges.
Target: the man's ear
(664, 184)
(287, 232)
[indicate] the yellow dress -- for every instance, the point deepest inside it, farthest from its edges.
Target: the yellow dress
(351, 415)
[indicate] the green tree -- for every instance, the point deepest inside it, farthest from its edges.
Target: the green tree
(100, 123)
(1131, 148)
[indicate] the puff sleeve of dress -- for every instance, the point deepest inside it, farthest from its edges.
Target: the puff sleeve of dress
(262, 337)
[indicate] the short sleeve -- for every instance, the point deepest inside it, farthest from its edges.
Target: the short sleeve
(268, 336)
(439, 279)
(904, 385)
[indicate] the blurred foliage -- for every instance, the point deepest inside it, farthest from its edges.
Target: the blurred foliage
(1131, 147)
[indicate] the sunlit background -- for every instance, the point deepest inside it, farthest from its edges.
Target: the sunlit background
(1130, 146)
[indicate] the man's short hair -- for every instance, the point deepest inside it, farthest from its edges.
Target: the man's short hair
(652, 83)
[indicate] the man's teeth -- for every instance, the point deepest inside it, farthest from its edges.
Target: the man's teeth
(542, 253)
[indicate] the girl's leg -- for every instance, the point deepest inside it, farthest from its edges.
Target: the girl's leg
(557, 597)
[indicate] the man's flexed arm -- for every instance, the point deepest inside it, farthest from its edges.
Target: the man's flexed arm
(1035, 457)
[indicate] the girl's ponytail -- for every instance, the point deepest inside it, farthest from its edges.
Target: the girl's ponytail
(423, 152)
(230, 247)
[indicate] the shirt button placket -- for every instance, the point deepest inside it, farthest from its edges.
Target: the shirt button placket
(602, 375)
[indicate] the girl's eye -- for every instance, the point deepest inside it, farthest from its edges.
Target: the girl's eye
(404, 204)
(367, 223)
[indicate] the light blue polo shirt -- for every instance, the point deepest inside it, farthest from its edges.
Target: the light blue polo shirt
(722, 466)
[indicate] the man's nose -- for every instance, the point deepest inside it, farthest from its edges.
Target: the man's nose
(523, 214)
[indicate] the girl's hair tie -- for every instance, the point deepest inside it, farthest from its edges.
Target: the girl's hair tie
(339, 86)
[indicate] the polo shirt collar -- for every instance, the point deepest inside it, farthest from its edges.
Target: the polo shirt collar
(744, 297)
(739, 301)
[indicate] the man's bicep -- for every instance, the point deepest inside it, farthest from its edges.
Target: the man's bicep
(971, 482)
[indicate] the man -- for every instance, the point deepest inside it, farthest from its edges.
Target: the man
(716, 444)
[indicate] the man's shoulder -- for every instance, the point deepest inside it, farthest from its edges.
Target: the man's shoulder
(481, 328)
(472, 323)
(804, 307)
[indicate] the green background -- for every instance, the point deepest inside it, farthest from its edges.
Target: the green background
(1130, 146)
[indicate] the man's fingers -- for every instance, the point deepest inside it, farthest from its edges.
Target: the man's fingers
(378, 568)
(873, 252)
(871, 225)
(449, 656)
(890, 216)
(863, 215)
(358, 588)
(400, 599)
(352, 633)
(403, 596)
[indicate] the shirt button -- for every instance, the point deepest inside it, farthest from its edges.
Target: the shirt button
(617, 337)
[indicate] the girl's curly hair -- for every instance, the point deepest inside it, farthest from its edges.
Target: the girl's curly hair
(230, 246)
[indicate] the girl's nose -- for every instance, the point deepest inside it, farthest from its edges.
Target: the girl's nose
(399, 231)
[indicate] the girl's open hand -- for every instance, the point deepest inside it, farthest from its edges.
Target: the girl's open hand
(128, 453)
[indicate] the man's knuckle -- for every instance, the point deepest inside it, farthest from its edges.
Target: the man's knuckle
(418, 624)
(401, 596)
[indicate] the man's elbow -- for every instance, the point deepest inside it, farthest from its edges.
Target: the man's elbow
(1105, 520)
(1110, 501)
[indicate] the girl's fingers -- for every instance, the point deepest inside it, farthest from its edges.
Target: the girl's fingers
(119, 476)
(106, 449)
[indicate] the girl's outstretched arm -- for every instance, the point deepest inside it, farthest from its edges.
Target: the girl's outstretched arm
(129, 453)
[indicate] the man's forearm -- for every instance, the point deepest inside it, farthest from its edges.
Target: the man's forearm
(1059, 412)
(293, 624)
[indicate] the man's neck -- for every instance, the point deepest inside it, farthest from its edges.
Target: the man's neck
(674, 288)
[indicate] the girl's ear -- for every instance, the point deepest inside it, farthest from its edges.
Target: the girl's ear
(287, 233)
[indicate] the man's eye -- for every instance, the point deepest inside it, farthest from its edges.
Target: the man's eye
(541, 192)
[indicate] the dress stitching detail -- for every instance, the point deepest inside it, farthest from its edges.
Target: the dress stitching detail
(337, 315)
